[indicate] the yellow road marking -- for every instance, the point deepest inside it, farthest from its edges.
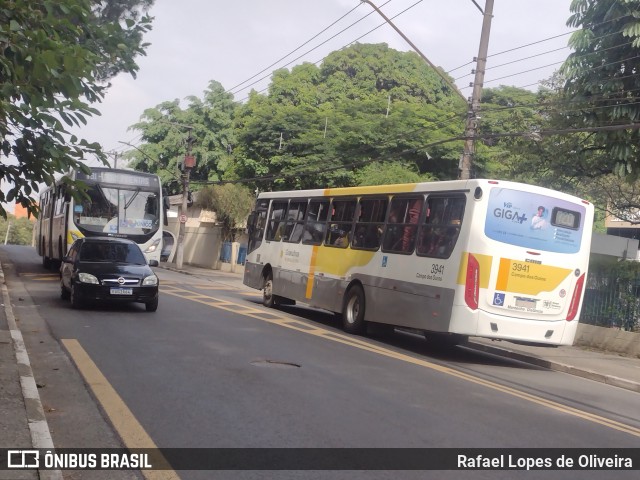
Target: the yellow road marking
(41, 276)
(275, 318)
(132, 433)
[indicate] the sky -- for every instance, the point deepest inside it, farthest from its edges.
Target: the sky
(196, 41)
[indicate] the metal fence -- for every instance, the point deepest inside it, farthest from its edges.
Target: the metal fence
(225, 253)
(611, 297)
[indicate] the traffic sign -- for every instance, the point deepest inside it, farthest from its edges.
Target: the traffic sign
(183, 218)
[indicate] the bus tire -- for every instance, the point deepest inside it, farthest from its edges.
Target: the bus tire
(268, 298)
(353, 311)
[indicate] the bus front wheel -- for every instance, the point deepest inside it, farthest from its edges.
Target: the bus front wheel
(268, 298)
(353, 311)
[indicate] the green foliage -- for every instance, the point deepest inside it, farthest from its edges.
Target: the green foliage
(20, 230)
(388, 174)
(602, 83)
(318, 126)
(54, 57)
(165, 129)
(232, 204)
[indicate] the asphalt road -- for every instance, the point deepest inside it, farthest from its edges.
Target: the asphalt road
(214, 368)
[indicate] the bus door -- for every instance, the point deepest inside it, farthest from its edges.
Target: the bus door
(535, 255)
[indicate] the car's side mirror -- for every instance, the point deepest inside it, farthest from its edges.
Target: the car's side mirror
(153, 263)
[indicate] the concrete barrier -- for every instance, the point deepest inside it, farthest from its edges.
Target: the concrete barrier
(608, 339)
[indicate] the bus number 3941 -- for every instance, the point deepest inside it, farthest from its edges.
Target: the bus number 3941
(437, 269)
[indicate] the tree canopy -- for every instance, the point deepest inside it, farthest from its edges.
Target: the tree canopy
(55, 57)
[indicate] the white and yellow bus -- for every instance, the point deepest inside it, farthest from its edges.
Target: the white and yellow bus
(451, 259)
(118, 203)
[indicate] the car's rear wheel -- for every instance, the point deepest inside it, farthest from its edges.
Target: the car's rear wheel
(76, 301)
(152, 306)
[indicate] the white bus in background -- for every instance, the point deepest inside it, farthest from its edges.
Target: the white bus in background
(119, 203)
(451, 259)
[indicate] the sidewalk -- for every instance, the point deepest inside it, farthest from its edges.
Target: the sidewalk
(600, 366)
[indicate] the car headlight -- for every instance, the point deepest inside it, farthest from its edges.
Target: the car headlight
(153, 246)
(151, 280)
(88, 278)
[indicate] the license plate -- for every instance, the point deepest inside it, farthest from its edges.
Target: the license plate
(121, 291)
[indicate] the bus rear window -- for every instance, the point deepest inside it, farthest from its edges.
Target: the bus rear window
(534, 221)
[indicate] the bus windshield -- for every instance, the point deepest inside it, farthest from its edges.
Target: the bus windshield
(120, 211)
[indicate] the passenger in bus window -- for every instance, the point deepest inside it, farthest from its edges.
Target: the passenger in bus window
(341, 241)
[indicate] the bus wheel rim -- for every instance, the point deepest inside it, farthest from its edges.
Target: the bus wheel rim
(352, 309)
(268, 289)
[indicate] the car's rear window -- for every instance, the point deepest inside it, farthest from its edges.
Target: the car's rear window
(112, 253)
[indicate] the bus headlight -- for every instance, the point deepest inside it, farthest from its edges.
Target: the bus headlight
(88, 278)
(150, 281)
(152, 248)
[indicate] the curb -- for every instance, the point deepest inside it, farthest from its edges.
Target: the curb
(557, 366)
(38, 426)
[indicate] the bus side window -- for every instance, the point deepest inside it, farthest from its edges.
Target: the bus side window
(259, 223)
(402, 225)
(439, 233)
(342, 213)
(370, 224)
(295, 221)
(315, 222)
(275, 229)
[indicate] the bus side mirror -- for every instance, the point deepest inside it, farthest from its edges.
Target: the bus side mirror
(167, 205)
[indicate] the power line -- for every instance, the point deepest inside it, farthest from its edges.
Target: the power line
(298, 48)
(319, 45)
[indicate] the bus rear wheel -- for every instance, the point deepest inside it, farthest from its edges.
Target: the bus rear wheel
(353, 311)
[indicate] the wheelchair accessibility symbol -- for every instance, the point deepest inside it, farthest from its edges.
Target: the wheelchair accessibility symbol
(498, 299)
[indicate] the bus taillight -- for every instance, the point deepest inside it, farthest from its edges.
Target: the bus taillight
(472, 284)
(575, 299)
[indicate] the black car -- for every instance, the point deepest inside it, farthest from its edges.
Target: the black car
(108, 269)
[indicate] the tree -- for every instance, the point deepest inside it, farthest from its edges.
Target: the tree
(16, 231)
(55, 57)
(602, 84)
(388, 174)
(232, 204)
(165, 129)
(367, 103)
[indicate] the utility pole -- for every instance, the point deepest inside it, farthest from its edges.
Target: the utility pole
(115, 156)
(466, 162)
(6, 237)
(189, 163)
